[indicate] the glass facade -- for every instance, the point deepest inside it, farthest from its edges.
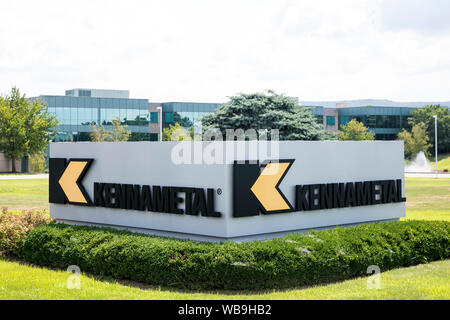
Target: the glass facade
(344, 120)
(385, 122)
(317, 112)
(186, 113)
(78, 111)
(76, 115)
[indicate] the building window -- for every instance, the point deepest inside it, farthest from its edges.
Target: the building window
(84, 93)
(330, 121)
(392, 122)
(154, 117)
(344, 120)
(169, 117)
(319, 119)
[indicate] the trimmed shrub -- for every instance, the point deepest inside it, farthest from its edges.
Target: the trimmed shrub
(295, 260)
(15, 227)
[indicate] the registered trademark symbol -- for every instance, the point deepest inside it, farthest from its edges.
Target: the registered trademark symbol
(219, 191)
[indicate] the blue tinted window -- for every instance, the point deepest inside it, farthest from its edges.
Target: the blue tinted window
(84, 93)
(344, 120)
(330, 121)
(132, 114)
(154, 117)
(73, 116)
(123, 114)
(85, 116)
(115, 113)
(59, 114)
(169, 117)
(59, 101)
(103, 116)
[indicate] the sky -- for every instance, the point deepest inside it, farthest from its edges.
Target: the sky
(208, 50)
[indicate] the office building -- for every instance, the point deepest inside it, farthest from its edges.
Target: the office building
(385, 122)
(80, 109)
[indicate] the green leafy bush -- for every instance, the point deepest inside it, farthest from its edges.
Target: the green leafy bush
(295, 260)
(15, 227)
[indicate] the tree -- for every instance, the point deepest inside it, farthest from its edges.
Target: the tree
(185, 122)
(329, 135)
(36, 163)
(25, 126)
(268, 111)
(356, 131)
(118, 132)
(177, 132)
(425, 115)
(99, 134)
(415, 141)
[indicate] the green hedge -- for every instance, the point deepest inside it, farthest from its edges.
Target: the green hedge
(295, 260)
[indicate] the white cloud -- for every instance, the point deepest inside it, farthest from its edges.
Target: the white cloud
(204, 50)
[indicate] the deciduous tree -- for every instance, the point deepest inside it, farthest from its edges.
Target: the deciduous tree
(118, 132)
(25, 126)
(177, 132)
(415, 141)
(425, 115)
(355, 130)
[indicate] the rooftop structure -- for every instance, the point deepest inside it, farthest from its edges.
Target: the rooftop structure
(98, 93)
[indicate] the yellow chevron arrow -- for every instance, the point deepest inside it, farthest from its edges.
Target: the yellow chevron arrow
(68, 181)
(266, 187)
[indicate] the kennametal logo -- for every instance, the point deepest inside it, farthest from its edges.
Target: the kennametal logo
(255, 191)
(66, 187)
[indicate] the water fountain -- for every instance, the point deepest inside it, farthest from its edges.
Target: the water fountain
(419, 164)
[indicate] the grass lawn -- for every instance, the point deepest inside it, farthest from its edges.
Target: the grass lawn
(18, 281)
(443, 162)
(24, 194)
(427, 199)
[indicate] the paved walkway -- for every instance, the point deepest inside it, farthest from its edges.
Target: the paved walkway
(23, 176)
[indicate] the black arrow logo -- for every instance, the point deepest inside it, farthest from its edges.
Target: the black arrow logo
(65, 181)
(256, 188)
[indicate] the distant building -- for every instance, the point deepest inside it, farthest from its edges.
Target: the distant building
(79, 109)
(385, 122)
